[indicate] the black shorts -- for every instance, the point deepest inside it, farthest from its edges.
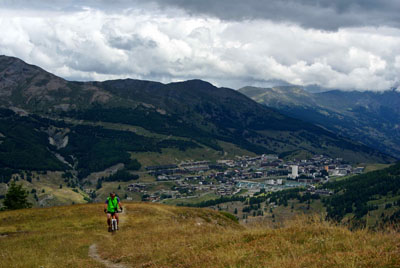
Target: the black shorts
(112, 213)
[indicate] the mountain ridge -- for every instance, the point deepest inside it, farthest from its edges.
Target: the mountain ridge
(193, 113)
(370, 117)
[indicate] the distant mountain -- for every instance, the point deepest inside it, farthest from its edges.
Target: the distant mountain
(370, 117)
(315, 89)
(275, 83)
(33, 89)
(75, 117)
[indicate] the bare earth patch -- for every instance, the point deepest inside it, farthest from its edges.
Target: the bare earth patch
(95, 255)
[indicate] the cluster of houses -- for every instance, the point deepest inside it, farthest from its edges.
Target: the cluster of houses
(137, 187)
(312, 190)
(183, 168)
(228, 177)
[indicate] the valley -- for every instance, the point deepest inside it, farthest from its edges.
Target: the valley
(185, 143)
(90, 138)
(369, 117)
(204, 134)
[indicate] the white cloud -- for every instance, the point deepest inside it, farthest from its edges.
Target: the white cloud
(170, 45)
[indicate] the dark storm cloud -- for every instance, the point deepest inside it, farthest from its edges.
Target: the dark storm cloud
(320, 14)
(230, 43)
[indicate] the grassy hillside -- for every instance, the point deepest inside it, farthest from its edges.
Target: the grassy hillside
(162, 236)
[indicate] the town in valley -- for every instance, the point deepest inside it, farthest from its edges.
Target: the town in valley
(240, 176)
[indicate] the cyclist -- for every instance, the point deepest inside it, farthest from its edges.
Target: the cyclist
(111, 207)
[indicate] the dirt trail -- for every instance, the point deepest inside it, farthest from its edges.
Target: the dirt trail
(93, 253)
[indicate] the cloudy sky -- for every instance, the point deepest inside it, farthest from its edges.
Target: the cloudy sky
(346, 44)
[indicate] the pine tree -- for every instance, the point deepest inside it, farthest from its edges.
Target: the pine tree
(99, 184)
(16, 197)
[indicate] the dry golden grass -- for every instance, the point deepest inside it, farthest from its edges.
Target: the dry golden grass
(50, 237)
(179, 237)
(154, 235)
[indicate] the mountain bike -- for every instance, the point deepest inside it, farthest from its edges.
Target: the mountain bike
(114, 223)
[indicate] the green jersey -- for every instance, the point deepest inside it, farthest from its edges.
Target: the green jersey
(112, 204)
